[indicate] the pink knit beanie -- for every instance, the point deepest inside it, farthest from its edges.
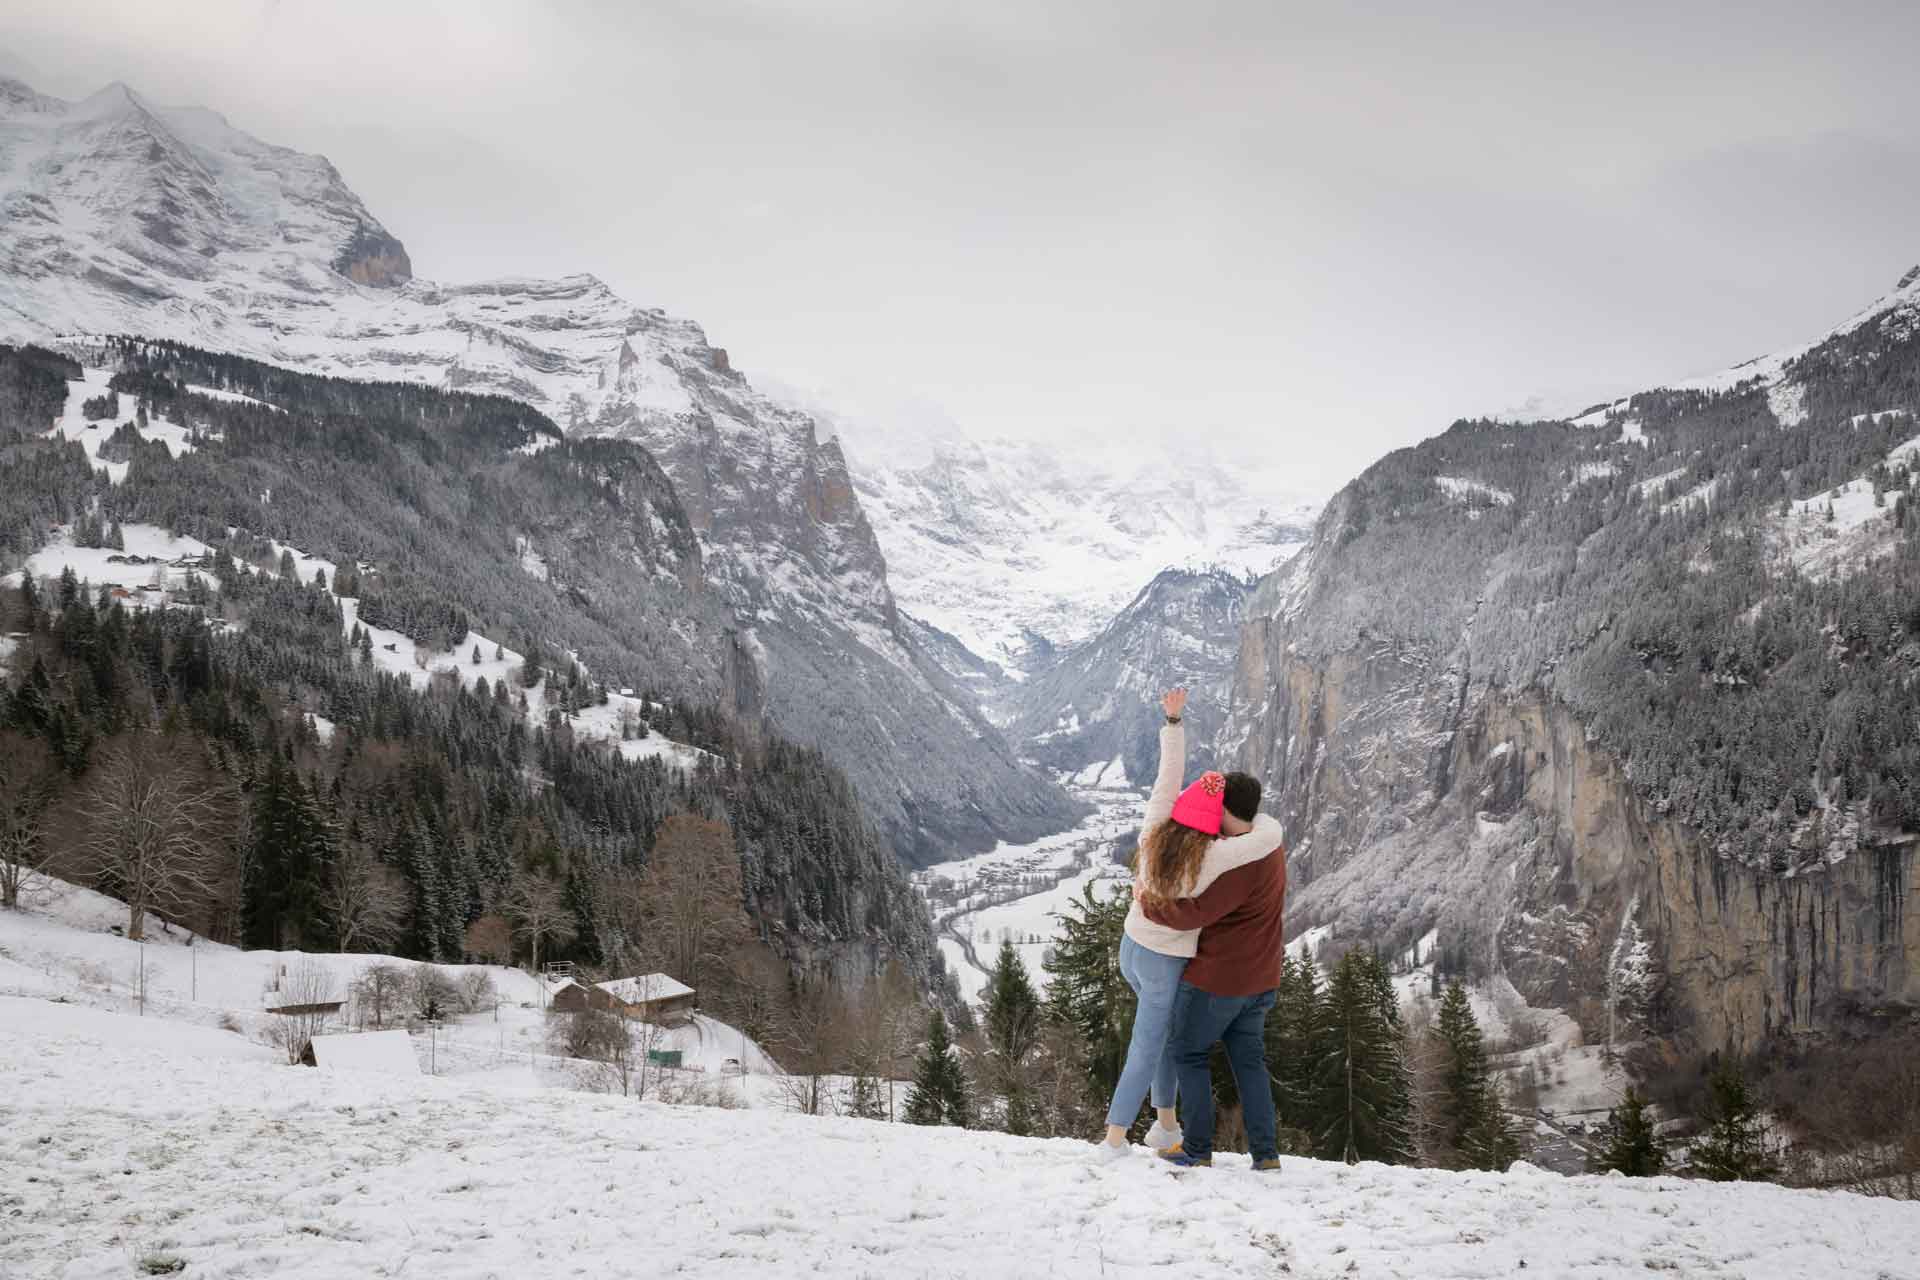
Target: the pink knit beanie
(1200, 805)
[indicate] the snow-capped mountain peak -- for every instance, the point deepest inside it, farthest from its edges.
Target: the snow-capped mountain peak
(149, 205)
(118, 216)
(1013, 546)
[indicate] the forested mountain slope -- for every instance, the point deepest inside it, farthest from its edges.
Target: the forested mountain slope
(125, 217)
(1628, 707)
(336, 802)
(1096, 706)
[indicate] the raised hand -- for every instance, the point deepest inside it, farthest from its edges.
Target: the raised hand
(1174, 702)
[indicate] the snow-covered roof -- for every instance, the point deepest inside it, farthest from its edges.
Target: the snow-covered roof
(652, 986)
(387, 1052)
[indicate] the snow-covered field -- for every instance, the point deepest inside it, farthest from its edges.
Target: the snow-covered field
(1860, 528)
(67, 944)
(132, 1147)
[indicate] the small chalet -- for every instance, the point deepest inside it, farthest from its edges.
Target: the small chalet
(652, 997)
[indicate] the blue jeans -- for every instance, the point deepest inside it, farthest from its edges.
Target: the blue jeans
(1240, 1024)
(1154, 979)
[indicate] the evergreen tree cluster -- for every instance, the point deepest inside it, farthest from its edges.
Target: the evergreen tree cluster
(429, 503)
(1340, 1058)
(446, 795)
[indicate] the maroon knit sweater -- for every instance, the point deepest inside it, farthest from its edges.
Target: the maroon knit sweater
(1239, 921)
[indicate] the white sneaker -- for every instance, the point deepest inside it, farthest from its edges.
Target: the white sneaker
(1161, 1138)
(1105, 1152)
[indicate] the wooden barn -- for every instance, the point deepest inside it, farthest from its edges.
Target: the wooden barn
(570, 996)
(652, 997)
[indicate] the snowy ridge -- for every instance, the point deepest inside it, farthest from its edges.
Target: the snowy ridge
(123, 217)
(1006, 545)
(157, 569)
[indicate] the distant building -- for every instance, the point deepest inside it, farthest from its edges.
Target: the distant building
(652, 997)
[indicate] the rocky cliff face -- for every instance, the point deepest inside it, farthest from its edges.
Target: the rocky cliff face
(1623, 707)
(125, 217)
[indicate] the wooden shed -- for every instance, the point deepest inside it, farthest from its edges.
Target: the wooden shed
(573, 997)
(652, 997)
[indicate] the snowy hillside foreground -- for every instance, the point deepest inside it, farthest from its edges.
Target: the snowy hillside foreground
(63, 946)
(131, 1146)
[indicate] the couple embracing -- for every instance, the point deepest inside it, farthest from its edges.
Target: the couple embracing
(1202, 952)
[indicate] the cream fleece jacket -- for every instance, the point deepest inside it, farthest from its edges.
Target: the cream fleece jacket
(1226, 853)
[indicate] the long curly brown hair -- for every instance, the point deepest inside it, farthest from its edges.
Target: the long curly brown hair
(1172, 854)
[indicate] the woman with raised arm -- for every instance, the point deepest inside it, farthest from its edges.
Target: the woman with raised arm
(1187, 841)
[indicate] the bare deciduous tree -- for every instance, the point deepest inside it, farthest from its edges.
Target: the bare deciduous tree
(151, 824)
(882, 1026)
(300, 1013)
(476, 991)
(27, 782)
(539, 913)
(366, 900)
(753, 992)
(815, 1038)
(692, 907)
(619, 1048)
(490, 939)
(379, 990)
(431, 991)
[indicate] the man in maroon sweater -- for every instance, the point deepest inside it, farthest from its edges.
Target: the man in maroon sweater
(1224, 995)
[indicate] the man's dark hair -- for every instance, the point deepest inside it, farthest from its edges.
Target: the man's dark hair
(1243, 796)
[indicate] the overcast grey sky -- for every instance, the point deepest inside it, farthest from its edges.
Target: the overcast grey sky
(1311, 234)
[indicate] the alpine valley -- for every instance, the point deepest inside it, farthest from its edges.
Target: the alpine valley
(1621, 709)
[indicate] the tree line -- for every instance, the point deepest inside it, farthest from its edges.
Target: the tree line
(174, 757)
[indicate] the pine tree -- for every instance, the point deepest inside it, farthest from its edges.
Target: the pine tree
(1013, 1008)
(1364, 1093)
(1085, 990)
(1465, 1075)
(1492, 1143)
(1735, 1148)
(1629, 1144)
(1013, 1027)
(939, 1084)
(1294, 1031)
(292, 843)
